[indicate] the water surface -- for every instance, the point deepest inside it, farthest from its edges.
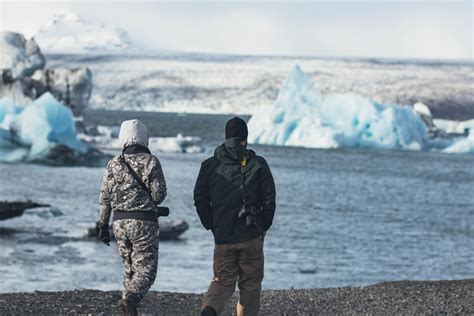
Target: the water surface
(344, 217)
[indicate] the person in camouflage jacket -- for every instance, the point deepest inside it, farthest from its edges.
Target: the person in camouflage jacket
(136, 229)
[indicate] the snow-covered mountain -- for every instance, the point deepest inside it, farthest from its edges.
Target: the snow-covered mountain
(67, 32)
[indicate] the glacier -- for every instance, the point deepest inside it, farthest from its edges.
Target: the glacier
(302, 117)
(29, 133)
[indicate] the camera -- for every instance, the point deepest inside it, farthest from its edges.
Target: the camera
(251, 213)
(163, 211)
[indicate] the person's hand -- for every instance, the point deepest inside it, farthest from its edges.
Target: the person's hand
(104, 233)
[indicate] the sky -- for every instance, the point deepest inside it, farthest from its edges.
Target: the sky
(386, 29)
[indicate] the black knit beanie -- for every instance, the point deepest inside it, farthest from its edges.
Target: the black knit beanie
(236, 127)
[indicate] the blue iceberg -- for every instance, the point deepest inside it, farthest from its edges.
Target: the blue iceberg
(300, 116)
(465, 145)
(30, 133)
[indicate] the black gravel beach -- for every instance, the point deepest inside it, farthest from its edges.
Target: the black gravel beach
(402, 297)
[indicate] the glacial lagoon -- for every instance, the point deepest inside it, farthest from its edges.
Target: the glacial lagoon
(344, 217)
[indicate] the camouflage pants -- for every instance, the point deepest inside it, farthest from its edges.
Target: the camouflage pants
(138, 245)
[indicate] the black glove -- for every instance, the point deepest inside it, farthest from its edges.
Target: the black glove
(104, 233)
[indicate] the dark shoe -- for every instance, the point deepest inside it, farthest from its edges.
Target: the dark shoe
(208, 311)
(128, 307)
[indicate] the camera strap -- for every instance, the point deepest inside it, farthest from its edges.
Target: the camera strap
(162, 210)
(243, 169)
(135, 176)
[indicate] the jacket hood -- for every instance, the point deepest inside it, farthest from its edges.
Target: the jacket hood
(232, 152)
(133, 132)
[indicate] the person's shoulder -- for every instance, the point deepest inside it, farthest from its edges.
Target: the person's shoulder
(253, 156)
(150, 161)
(112, 164)
(115, 160)
(260, 161)
(206, 164)
(154, 159)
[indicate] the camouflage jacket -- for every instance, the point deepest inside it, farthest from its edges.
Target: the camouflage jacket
(121, 192)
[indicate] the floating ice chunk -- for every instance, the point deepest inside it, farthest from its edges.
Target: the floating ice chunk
(22, 57)
(458, 127)
(464, 145)
(365, 123)
(293, 119)
(179, 144)
(422, 109)
(70, 86)
(37, 127)
(44, 122)
(8, 111)
(301, 117)
(111, 132)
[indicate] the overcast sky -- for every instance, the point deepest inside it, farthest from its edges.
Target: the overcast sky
(398, 29)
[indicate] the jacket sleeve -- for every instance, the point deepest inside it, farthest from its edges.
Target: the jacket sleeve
(267, 195)
(104, 197)
(157, 182)
(202, 199)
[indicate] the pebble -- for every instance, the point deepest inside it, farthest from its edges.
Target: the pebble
(401, 297)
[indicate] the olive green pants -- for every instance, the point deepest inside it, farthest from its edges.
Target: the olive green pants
(240, 263)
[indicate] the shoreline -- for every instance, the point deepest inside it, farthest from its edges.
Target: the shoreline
(398, 297)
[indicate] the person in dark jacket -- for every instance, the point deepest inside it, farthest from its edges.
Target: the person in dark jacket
(234, 197)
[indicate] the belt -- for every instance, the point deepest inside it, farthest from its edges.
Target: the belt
(140, 215)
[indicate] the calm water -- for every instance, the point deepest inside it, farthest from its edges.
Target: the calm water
(343, 218)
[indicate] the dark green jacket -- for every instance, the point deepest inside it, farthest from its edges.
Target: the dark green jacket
(219, 193)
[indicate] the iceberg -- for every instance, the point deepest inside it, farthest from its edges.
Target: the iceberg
(20, 56)
(30, 133)
(107, 138)
(300, 116)
(421, 108)
(454, 127)
(178, 144)
(465, 145)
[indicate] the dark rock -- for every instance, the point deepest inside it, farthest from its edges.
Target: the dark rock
(14, 209)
